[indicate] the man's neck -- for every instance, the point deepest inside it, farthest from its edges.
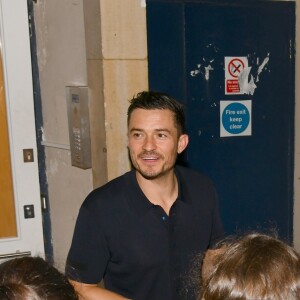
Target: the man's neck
(162, 191)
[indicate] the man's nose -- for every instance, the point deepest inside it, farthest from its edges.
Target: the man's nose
(149, 143)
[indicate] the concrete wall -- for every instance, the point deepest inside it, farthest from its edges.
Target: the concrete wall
(101, 44)
(62, 61)
(125, 72)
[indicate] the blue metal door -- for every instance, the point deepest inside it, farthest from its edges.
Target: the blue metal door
(193, 46)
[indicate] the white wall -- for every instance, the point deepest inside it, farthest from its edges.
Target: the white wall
(62, 61)
(114, 69)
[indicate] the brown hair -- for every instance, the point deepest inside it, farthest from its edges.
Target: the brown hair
(253, 267)
(32, 278)
(150, 100)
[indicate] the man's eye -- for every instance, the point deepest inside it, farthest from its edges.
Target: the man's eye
(162, 135)
(137, 135)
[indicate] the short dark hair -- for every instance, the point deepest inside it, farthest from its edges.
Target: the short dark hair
(32, 278)
(155, 100)
(254, 266)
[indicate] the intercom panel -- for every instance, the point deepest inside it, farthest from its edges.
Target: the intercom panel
(79, 126)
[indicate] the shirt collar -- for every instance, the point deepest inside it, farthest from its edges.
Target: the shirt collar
(140, 203)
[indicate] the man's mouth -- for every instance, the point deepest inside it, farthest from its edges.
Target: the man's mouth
(149, 157)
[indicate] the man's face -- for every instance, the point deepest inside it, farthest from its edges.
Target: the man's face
(154, 142)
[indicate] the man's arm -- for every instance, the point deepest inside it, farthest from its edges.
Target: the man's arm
(94, 292)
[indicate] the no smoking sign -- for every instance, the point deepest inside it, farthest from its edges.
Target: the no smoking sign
(234, 66)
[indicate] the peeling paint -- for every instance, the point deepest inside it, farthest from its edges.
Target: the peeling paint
(194, 73)
(245, 86)
(207, 69)
(247, 79)
(204, 70)
(41, 33)
(43, 133)
(207, 61)
(260, 68)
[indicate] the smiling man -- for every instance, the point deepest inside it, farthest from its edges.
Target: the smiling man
(141, 231)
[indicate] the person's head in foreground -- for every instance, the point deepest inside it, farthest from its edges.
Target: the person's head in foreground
(253, 267)
(32, 278)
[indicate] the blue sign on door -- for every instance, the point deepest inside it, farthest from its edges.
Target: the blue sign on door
(235, 118)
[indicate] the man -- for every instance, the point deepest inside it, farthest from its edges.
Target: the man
(141, 231)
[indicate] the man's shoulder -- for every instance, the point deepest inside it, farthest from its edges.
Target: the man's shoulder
(195, 182)
(111, 192)
(187, 174)
(197, 186)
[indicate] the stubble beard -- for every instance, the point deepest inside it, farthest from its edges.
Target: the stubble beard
(149, 173)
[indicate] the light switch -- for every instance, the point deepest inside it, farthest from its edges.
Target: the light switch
(28, 211)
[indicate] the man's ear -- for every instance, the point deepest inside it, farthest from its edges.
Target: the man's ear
(182, 143)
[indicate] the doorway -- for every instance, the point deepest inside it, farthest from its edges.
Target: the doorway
(189, 55)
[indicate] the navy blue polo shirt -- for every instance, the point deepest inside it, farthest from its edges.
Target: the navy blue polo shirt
(140, 251)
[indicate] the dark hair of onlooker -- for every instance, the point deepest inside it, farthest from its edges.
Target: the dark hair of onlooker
(32, 278)
(253, 267)
(150, 100)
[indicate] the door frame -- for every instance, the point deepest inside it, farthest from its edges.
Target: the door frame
(297, 138)
(17, 73)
